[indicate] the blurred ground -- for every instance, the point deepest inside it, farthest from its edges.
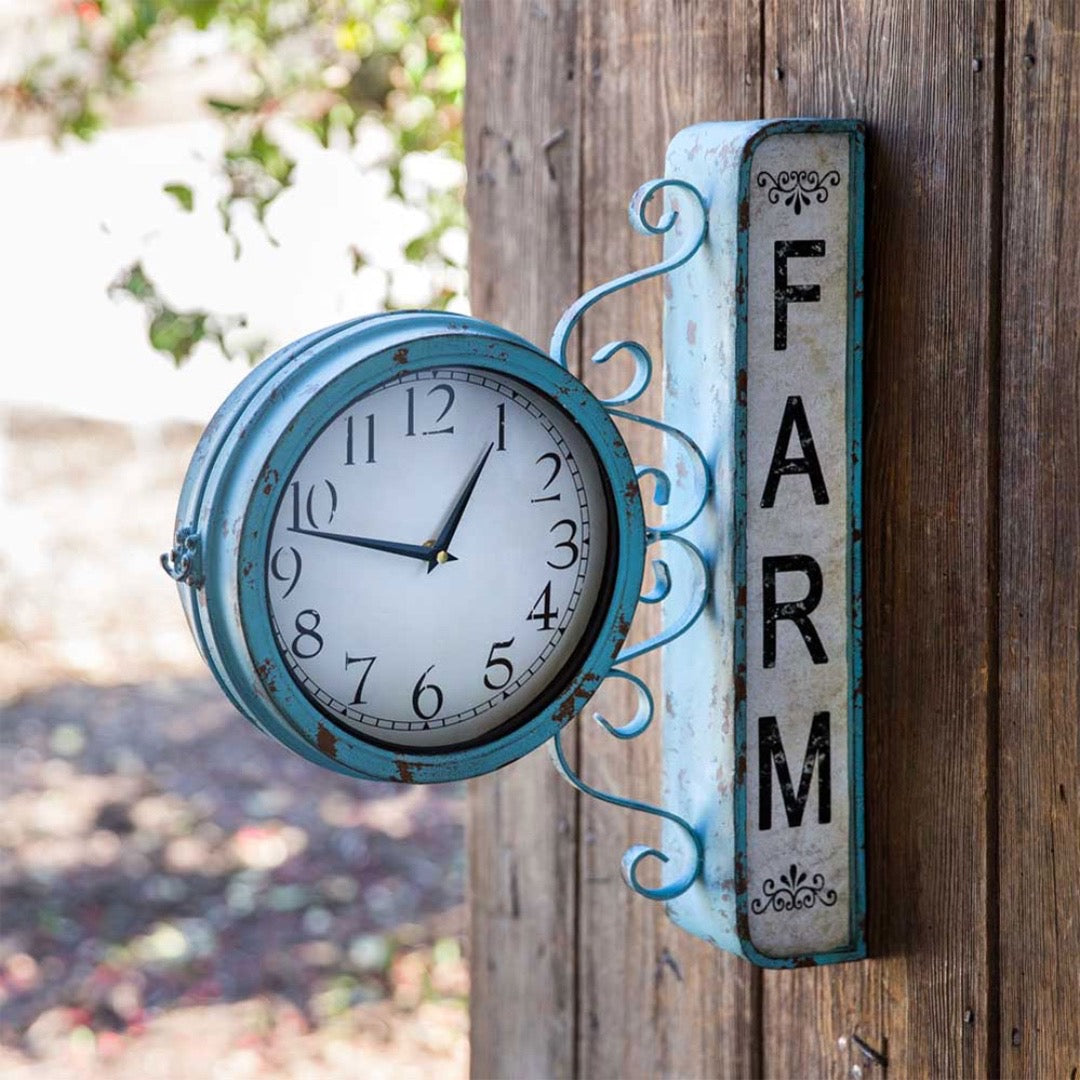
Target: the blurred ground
(180, 896)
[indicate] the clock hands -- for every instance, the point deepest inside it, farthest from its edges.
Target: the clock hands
(421, 552)
(442, 543)
(435, 552)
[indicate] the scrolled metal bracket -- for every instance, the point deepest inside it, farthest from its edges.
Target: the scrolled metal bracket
(683, 198)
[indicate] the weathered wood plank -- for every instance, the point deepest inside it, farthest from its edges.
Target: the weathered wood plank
(1040, 544)
(521, 124)
(922, 74)
(655, 1001)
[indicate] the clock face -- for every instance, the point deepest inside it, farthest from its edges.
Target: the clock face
(440, 559)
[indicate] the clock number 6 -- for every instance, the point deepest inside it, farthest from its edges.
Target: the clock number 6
(499, 662)
(568, 543)
(419, 690)
(307, 633)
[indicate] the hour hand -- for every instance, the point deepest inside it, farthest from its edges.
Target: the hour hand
(410, 551)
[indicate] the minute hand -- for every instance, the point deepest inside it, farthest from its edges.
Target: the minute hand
(410, 551)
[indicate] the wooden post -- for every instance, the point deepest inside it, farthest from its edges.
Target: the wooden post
(972, 541)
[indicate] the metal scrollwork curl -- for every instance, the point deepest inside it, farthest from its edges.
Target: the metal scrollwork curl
(695, 237)
(695, 605)
(668, 530)
(634, 856)
(662, 494)
(642, 718)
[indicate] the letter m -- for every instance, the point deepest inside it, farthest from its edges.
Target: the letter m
(771, 755)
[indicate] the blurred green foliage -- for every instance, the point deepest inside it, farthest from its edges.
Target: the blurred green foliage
(323, 64)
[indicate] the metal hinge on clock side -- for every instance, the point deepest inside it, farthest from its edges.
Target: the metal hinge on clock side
(184, 562)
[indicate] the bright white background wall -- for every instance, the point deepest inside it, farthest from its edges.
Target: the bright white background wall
(71, 218)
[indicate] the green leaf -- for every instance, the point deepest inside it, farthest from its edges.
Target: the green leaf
(420, 248)
(200, 12)
(277, 165)
(182, 194)
(177, 333)
(83, 124)
(132, 280)
(226, 106)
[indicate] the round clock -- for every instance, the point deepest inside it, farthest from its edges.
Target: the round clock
(410, 546)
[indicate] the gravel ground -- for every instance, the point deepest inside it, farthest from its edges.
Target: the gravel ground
(181, 896)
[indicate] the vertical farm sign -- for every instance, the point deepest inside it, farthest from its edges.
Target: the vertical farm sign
(779, 413)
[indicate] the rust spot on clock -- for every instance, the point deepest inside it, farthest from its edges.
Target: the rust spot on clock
(326, 741)
(744, 213)
(742, 879)
(740, 683)
(405, 773)
(577, 700)
(401, 356)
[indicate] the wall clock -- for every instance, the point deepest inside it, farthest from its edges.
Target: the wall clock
(410, 546)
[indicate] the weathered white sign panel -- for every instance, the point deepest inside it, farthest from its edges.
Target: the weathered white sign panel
(763, 704)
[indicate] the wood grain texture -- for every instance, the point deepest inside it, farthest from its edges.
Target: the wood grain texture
(972, 537)
(1040, 544)
(524, 203)
(910, 71)
(654, 1000)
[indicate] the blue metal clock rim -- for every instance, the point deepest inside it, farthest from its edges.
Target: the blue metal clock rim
(201, 491)
(214, 437)
(325, 377)
(856, 948)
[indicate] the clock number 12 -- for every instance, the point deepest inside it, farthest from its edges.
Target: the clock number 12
(438, 388)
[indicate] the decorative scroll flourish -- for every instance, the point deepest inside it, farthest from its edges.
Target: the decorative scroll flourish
(635, 855)
(701, 488)
(797, 891)
(699, 597)
(695, 237)
(798, 186)
(703, 474)
(182, 563)
(642, 718)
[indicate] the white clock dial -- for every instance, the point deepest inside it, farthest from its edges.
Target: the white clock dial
(439, 558)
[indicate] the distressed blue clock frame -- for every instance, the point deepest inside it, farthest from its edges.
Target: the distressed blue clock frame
(235, 481)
